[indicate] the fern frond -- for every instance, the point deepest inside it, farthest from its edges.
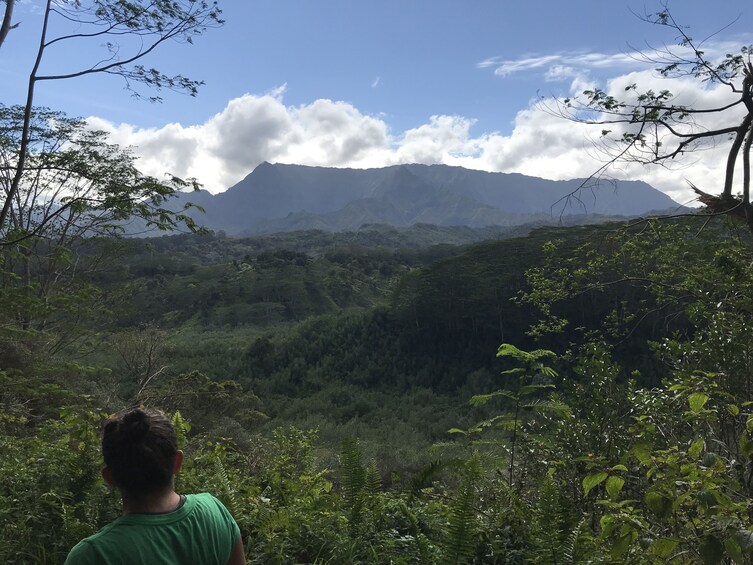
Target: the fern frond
(182, 427)
(555, 407)
(352, 473)
(372, 482)
(480, 399)
(230, 497)
(353, 480)
(426, 476)
(461, 530)
(569, 550)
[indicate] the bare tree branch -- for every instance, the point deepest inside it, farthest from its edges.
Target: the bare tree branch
(652, 128)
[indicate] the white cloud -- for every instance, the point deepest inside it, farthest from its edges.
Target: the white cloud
(376, 82)
(560, 65)
(445, 139)
(256, 128)
(252, 129)
(581, 65)
(560, 72)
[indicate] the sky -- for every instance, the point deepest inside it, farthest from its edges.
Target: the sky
(351, 83)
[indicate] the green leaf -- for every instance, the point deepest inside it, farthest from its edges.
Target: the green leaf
(614, 486)
(745, 539)
(480, 399)
(528, 389)
(711, 550)
(745, 445)
(607, 525)
(642, 452)
(697, 401)
(619, 468)
(663, 547)
(509, 350)
(548, 372)
(696, 448)
(658, 503)
(620, 547)
(733, 549)
(733, 409)
(749, 424)
(592, 480)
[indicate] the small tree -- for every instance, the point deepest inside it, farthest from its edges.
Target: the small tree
(128, 30)
(75, 187)
(61, 184)
(142, 353)
(74, 183)
(649, 127)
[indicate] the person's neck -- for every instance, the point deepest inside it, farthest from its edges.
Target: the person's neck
(154, 503)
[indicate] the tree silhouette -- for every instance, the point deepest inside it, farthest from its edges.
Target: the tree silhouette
(653, 127)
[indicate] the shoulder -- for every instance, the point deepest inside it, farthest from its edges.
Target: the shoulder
(94, 549)
(207, 501)
(82, 554)
(211, 506)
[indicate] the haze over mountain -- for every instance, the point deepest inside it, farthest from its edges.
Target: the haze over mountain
(279, 197)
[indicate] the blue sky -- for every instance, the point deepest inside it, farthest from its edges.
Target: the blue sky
(356, 83)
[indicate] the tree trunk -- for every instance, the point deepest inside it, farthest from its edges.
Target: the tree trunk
(6, 25)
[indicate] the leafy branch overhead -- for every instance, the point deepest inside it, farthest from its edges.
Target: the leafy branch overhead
(121, 34)
(130, 31)
(655, 126)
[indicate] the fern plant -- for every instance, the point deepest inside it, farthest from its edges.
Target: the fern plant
(372, 480)
(569, 553)
(230, 497)
(352, 472)
(550, 524)
(352, 479)
(460, 538)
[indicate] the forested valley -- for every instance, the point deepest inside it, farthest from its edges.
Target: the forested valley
(577, 394)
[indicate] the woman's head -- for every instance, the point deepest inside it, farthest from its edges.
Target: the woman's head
(140, 449)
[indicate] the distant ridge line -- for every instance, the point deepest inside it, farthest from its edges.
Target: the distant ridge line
(285, 197)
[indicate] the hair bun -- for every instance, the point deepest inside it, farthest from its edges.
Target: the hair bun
(135, 424)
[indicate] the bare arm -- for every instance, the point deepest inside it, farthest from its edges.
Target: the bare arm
(238, 555)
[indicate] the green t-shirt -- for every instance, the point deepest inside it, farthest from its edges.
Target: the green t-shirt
(200, 532)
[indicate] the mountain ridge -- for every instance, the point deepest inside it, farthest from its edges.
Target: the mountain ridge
(284, 197)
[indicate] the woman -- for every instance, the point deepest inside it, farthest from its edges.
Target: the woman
(158, 525)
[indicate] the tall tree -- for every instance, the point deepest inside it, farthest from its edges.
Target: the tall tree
(128, 31)
(650, 127)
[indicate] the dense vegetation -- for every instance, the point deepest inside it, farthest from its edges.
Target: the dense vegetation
(345, 401)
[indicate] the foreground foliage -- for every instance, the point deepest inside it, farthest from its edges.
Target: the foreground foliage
(571, 455)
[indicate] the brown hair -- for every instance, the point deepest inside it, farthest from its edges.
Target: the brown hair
(140, 447)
